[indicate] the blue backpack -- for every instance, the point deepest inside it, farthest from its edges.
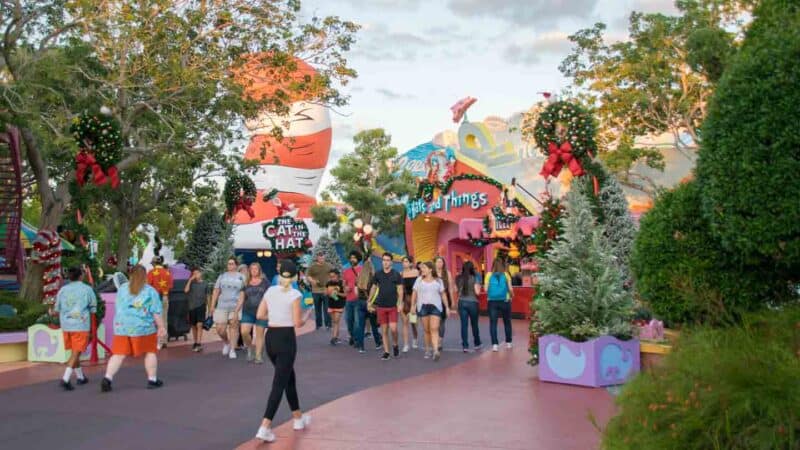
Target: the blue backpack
(498, 287)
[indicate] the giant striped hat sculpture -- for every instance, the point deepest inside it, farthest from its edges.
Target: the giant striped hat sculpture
(292, 166)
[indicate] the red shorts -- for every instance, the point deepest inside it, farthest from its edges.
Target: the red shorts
(134, 345)
(386, 315)
(77, 341)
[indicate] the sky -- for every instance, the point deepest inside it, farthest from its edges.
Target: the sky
(416, 58)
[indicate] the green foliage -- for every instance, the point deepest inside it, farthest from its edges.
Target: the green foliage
(749, 166)
(681, 270)
(205, 237)
(238, 188)
(325, 245)
(27, 312)
(325, 217)
(218, 259)
(578, 128)
(729, 388)
(364, 181)
(580, 290)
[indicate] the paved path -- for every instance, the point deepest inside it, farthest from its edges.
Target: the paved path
(493, 401)
(208, 402)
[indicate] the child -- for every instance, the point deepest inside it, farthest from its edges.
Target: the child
(75, 303)
(336, 301)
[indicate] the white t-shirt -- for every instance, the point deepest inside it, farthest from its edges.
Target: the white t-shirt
(280, 304)
(429, 292)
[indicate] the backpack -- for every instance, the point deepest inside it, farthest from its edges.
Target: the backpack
(498, 287)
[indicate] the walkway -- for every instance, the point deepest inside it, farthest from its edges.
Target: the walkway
(483, 400)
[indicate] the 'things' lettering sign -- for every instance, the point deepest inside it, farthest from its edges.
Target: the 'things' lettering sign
(452, 199)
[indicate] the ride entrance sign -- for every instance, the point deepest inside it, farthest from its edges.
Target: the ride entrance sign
(286, 235)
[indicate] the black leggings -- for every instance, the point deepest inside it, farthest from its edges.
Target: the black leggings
(281, 350)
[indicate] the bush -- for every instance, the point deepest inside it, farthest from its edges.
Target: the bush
(682, 272)
(724, 388)
(27, 312)
(749, 162)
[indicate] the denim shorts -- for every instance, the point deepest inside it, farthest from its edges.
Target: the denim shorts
(429, 310)
(251, 319)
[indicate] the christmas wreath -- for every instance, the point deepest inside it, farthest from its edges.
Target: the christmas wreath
(565, 132)
(100, 147)
(240, 194)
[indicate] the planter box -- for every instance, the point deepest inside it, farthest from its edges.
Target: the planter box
(602, 361)
(47, 345)
(13, 346)
(652, 353)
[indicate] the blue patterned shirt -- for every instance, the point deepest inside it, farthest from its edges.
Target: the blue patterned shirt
(75, 302)
(134, 314)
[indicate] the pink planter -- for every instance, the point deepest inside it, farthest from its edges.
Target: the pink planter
(602, 361)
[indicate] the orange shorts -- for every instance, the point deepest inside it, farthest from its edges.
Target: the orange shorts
(77, 341)
(134, 345)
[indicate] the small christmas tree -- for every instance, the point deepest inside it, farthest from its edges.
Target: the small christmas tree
(204, 239)
(325, 245)
(218, 260)
(581, 294)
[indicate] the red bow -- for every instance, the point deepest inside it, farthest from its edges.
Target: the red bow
(559, 156)
(246, 204)
(85, 161)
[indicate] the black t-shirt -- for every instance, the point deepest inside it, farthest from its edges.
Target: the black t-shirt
(198, 292)
(387, 288)
(337, 299)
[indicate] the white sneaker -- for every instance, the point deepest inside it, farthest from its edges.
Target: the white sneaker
(265, 434)
(405, 349)
(414, 344)
(508, 344)
(302, 422)
(232, 354)
(495, 348)
(226, 349)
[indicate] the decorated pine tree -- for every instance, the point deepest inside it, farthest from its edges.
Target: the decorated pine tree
(204, 239)
(325, 245)
(580, 291)
(218, 259)
(611, 211)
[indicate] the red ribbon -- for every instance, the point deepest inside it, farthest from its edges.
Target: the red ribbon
(85, 161)
(245, 204)
(561, 155)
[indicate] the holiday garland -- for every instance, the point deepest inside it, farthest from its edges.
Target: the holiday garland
(426, 188)
(565, 132)
(240, 194)
(100, 147)
(47, 252)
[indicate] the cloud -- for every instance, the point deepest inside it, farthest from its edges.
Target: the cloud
(552, 44)
(523, 12)
(410, 5)
(655, 6)
(376, 43)
(391, 95)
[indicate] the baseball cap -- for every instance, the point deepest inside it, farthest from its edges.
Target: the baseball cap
(288, 268)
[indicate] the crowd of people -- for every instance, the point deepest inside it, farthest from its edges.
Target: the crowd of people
(265, 314)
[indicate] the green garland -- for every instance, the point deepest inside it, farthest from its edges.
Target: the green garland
(426, 188)
(238, 186)
(99, 134)
(580, 130)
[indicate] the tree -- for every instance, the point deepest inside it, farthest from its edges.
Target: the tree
(326, 218)
(364, 181)
(218, 259)
(325, 246)
(657, 81)
(610, 208)
(205, 236)
(682, 272)
(749, 166)
(580, 291)
(164, 69)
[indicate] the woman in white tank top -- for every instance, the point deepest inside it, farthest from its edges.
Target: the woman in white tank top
(281, 306)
